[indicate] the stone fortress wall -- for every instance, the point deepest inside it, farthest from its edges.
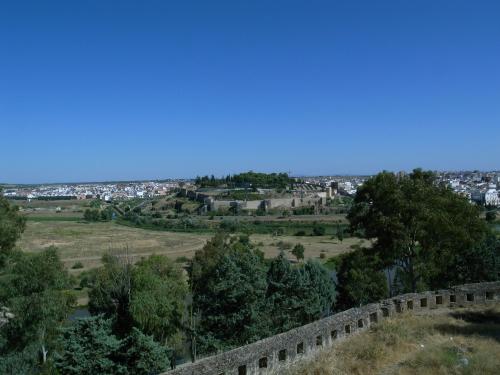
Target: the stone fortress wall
(277, 352)
(212, 204)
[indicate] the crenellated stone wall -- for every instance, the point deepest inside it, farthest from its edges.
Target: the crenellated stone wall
(278, 351)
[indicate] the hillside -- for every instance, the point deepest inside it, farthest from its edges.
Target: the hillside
(458, 341)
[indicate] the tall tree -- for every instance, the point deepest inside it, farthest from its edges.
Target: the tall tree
(297, 295)
(111, 292)
(142, 355)
(35, 289)
(150, 295)
(12, 225)
(283, 295)
(89, 347)
(230, 303)
(158, 295)
(317, 291)
(360, 280)
(413, 220)
(298, 251)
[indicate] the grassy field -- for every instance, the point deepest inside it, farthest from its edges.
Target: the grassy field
(87, 242)
(461, 341)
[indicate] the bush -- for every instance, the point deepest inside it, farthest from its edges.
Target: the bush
(491, 216)
(91, 214)
(284, 245)
(77, 265)
(319, 231)
(300, 233)
(182, 259)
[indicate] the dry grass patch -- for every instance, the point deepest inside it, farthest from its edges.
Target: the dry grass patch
(83, 242)
(453, 342)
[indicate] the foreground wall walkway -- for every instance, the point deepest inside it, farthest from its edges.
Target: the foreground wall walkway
(278, 351)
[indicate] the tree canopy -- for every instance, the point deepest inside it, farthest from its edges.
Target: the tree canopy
(12, 225)
(228, 283)
(90, 347)
(149, 295)
(239, 300)
(418, 226)
(248, 179)
(297, 295)
(360, 279)
(34, 287)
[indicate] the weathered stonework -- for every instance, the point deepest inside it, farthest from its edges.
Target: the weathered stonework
(274, 352)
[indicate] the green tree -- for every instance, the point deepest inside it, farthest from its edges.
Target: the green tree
(319, 230)
(282, 297)
(205, 261)
(158, 296)
(106, 214)
(478, 263)
(298, 251)
(359, 280)
(415, 225)
(340, 233)
(491, 216)
(317, 290)
(91, 214)
(12, 225)
(35, 289)
(296, 295)
(141, 355)
(112, 290)
(20, 362)
(89, 347)
(228, 287)
(150, 295)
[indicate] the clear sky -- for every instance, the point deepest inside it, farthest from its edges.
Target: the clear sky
(104, 90)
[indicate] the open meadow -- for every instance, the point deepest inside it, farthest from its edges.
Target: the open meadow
(83, 242)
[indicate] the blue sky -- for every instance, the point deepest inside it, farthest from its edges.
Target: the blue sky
(104, 90)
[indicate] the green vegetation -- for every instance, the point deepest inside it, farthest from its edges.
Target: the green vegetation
(491, 216)
(77, 265)
(248, 179)
(12, 225)
(34, 287)
(296, 295)
(233, 225)
(242, 195)
(298, 251)
(146, 311)
(237, 303)
(148, 295)
(90, 347)
(360, 279)
(432, 236)
(52, 218)
(96, 214)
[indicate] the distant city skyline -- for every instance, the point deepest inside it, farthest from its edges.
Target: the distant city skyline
(496, 171)
(107, 90)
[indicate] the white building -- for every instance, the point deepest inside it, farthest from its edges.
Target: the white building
(491, 198)
(454, 184)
